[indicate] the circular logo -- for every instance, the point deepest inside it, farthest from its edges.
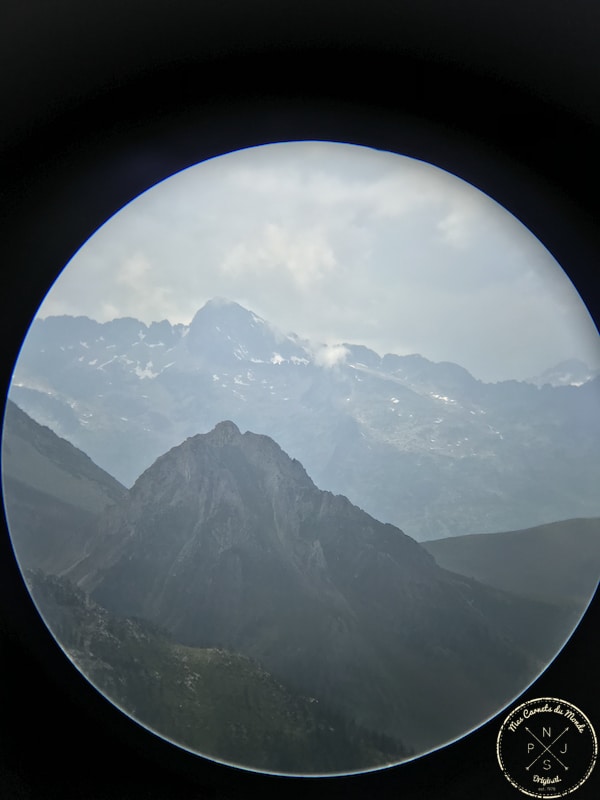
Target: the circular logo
(546, 747)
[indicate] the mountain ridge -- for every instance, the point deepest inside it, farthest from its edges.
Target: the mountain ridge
(218, 303)
(558, 562)
(424, 446)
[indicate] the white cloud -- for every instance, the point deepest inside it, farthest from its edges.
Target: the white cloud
(455, 229)
(336, 243)
(305, 255)
(134, 271)
(330, 355)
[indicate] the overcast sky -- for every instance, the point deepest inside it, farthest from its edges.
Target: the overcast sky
(337, 243)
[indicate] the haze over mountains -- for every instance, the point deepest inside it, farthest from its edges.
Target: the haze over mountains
(572, 372)
(422, 445)
(227, 544)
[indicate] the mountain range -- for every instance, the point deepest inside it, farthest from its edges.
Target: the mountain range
(422, 445)
(227, 545)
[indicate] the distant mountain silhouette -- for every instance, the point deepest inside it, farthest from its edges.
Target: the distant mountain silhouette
(572, 372)
(557, 563)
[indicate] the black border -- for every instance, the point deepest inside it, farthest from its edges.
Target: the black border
(103, 100)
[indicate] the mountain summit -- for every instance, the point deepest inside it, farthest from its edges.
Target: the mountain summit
(232, 333)
(226, 542)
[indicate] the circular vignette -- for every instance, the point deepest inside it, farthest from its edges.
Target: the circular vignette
(247, 766)
(148, 168)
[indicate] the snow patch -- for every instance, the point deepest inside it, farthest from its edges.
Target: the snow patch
(442, 397)
(146, 372)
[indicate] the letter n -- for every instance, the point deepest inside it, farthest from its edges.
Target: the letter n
(546, 732)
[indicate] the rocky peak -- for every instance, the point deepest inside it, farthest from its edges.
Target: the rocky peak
(219, 318)
(223, 433)
(226, 542)
(218, 307)
(233, 334)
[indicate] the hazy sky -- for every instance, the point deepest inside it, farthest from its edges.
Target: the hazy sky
(337, 243)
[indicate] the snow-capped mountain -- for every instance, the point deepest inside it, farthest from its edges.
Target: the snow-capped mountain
(425, 446)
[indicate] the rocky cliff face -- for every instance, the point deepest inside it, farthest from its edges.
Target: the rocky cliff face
(225, 541)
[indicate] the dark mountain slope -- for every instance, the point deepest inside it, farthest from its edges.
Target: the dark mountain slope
(211, 701)
(226, 542)
(52, 493)
(557, 563)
